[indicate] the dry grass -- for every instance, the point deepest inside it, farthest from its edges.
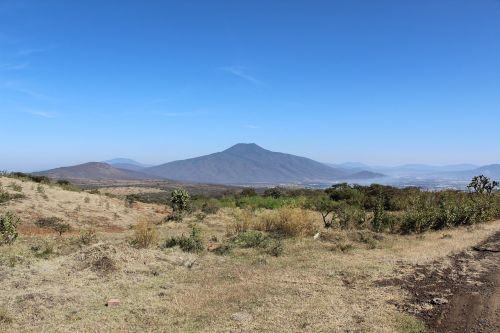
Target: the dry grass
(99, 211)
(309, 288)
(293, 222)
(145, 235)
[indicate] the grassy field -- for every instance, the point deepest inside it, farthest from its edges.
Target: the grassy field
(326, 283)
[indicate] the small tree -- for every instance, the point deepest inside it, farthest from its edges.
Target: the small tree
(8, 228)
(273, 192)
(327, 208)
(248, 192)
(482, 184)
(61, 228)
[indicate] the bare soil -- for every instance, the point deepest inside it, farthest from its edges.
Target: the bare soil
(469, 284)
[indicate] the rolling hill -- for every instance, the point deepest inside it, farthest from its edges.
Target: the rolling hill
(94, 171)
(251, 164)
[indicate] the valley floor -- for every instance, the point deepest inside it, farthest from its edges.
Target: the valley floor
(59, 284)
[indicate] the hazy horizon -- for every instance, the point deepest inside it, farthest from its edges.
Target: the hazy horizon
(382, 83)
(76, 162)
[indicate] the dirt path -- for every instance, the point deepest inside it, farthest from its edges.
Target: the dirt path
(459, 294)
(475, 304)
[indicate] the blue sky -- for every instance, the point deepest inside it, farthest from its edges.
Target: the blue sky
(381, 82)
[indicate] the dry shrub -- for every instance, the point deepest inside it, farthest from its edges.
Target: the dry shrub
(287, 221)
(87, 237)
(342, 247)
(332, 235)
(104, 265)
(98, 257)
(242, 221)
(4, 316)
(146, 234)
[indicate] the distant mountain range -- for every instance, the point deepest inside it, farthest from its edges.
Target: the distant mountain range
(250, 164)
(240, 164)
(453, 171)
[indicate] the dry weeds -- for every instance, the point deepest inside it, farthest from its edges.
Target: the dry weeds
(309, 288)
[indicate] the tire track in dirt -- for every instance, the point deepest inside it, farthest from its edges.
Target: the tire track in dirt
(458, 294)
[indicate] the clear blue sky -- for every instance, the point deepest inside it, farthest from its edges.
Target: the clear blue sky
(381, 82)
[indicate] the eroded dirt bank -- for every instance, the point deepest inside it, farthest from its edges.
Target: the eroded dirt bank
(459, 294)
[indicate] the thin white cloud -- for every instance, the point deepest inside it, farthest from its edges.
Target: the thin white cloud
(29, 51)
(40, 113)
(16, 86)
(250, 126)
(14, 66)
(242, 73)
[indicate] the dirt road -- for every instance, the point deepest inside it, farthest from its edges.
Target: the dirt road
(460, 294)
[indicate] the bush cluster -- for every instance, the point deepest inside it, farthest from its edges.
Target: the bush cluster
(191, 243)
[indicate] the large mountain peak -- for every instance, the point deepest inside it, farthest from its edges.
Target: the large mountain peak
(245, 148)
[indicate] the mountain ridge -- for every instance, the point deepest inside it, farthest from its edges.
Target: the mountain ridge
(246, 163)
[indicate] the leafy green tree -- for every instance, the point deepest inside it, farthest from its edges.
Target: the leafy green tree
(248, 192)
(327, 208)
(273, 192)
(345, 192)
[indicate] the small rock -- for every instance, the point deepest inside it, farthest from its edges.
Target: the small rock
(316, 236)
(113, 302)
(439, 301)
(241, 316)
(212, 247)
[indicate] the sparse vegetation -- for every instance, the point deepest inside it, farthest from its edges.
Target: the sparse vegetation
(8, 228)
(61, 228)
(145, 235)
(87, 236)
(191, 243)
(273, 247)
(5, 317)
(180, 202)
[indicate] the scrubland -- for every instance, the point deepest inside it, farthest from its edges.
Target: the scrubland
(211, 270)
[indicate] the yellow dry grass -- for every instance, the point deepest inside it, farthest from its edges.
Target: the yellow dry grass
(310, 288)
(79, 209)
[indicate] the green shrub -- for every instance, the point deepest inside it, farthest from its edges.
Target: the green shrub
(274, 247)
(210, 206)
(180, 199)
(248, 192)
(193, 243)
(8, 228)
(224, 249)
(275, 192)
(250, 238)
